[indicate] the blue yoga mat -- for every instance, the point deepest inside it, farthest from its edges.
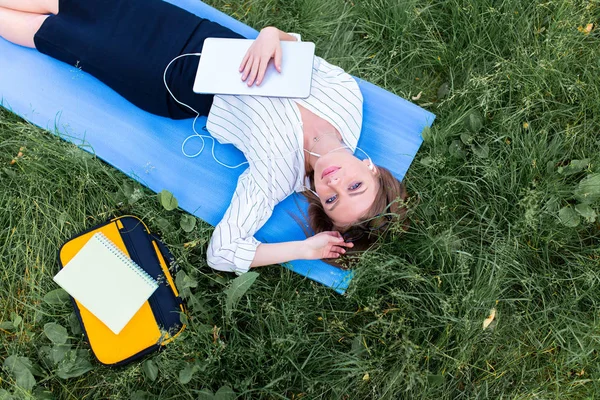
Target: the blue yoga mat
(80, 109)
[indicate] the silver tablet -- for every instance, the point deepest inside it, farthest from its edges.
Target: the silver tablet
(218, 70)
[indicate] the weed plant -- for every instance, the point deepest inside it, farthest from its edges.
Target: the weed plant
(508, 188)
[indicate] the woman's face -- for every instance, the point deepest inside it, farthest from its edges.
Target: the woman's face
(346, 186)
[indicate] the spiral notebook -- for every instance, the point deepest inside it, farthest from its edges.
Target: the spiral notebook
(106, 282)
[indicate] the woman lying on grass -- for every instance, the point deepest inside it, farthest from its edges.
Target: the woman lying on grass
(127, 44)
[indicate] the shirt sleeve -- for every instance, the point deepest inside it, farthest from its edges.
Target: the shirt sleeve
(296, 35)
(232, 246)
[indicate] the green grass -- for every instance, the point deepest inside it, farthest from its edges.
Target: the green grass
(522, 102)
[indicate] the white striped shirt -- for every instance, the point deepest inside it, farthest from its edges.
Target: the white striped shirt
(268, 131)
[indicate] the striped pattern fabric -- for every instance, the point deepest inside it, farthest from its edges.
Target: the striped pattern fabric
(268, 131)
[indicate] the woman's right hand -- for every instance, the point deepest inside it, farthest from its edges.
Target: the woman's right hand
(266, 46)
(329, 244)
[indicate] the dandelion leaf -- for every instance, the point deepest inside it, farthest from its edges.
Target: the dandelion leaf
(20, 368)
(56, 333)
(187, 223)
(568, 217)
(238, 287)
(168, 201)
(586, 212)
(225, 393)
(588, 190)
(150, 370)
(56, 297)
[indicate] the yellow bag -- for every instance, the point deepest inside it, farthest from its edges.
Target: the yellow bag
(158, 321)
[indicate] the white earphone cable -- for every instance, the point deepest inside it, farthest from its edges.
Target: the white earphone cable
(196, 134)
(202, 137)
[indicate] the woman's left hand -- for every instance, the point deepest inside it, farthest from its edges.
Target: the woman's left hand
(266, 46)
(329, 244)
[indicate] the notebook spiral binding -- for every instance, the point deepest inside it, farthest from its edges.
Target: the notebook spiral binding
(128, 261)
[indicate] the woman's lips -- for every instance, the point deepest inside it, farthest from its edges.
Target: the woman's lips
(329, 170)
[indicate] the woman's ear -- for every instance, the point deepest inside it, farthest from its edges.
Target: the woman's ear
(370, 165)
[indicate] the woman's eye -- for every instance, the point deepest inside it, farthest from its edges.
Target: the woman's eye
(331, 199)
(355, 186)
